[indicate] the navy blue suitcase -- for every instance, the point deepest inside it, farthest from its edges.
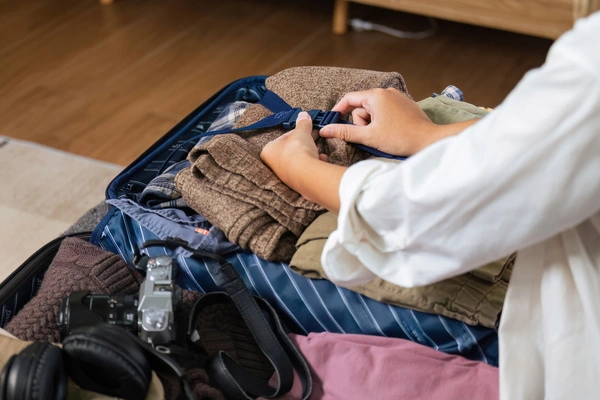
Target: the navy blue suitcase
(305, 305)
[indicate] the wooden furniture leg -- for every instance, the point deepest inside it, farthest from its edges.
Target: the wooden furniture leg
(106, 1)
(340, 17)
(583, 8)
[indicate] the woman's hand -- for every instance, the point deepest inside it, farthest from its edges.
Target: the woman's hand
(295, 159)
(387, 120)
(299, 143)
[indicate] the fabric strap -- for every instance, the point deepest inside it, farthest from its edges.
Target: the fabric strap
(285, 115)
(265, 326)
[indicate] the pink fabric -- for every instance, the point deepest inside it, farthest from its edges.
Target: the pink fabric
(347, 366)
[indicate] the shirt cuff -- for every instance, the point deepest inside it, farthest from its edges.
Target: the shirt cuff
(340, 259)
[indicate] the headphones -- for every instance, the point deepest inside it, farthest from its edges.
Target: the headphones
(103, 358)
(44, 374)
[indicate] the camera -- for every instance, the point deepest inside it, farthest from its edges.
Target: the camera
(150, 314)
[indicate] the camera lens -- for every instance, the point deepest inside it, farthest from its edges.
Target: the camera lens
(83, 309)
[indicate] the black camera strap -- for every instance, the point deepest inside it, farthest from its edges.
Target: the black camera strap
(264, 324)
(167, 365)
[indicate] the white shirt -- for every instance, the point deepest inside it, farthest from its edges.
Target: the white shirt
(526, 177)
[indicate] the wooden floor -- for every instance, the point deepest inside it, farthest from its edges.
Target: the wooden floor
(107, 81)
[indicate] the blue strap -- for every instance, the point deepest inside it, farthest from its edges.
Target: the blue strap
(276, 104)
(378, 153)
(273, 102)
(285, 115)
(273, 120)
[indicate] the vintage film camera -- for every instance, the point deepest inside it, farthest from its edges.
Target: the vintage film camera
(150, 314)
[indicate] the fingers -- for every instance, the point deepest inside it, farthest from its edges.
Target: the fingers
(350, 101)
(361, 117)
(303, 127)
(303, 119)
(300, 139)
(345, 132)
(304, 124)
(354, 100)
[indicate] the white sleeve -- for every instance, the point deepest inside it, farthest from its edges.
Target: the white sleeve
(528, 170)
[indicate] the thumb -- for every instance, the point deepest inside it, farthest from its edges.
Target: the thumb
(345, 132)
(303, 121)
(304, 124)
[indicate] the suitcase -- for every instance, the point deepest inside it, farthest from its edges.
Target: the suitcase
(257, 321)
(23, 283)
(303, 305)
(260, 321)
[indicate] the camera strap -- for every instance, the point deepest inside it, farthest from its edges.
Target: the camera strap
(264, 324)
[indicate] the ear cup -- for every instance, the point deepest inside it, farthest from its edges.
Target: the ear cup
(109, 360)
(6, 390)
(36, 373)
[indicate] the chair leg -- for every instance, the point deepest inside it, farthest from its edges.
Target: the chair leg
(340, 17)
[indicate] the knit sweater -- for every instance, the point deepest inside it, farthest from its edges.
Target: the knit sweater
(229, 185)
(79, 265)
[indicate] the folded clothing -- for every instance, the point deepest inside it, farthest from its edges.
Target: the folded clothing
(229, 185)
(251, 206)
(78, 265)
(323, 87)
(476, 297)
(350, 366)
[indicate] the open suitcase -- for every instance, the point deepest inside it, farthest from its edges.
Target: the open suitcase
(303, 305)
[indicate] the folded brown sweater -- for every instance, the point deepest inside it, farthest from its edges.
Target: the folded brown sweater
(229, 185)
(78, 265)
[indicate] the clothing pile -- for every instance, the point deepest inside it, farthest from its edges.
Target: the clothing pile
(222, 199)
(237, 201)
(397, 368)
(229, 185)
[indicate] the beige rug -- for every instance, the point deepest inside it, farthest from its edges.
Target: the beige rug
(43, 192)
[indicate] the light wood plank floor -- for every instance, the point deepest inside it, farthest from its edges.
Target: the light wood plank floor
(107, 81)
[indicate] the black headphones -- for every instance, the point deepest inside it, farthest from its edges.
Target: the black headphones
(103, 358)
(37, 372)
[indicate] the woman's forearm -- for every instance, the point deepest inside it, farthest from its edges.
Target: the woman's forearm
(316, 180)
(319, 181)
(294, 158)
